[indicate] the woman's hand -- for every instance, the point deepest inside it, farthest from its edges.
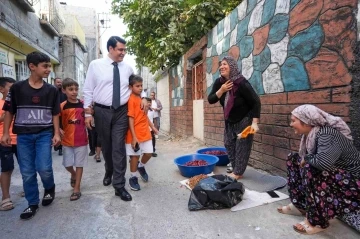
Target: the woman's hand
(302, 163)
(224, 88)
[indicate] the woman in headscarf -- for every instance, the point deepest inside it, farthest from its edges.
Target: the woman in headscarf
(241, 107)
(324, 177)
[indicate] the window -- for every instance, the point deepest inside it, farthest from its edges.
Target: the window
(22, 70)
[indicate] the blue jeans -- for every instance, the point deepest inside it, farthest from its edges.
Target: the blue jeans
(34, 152)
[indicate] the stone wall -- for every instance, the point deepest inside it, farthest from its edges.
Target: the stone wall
(293, 52)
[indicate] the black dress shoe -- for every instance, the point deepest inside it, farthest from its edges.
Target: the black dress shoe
(123, 194)
(107, 179)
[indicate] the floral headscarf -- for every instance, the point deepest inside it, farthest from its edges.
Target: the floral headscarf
(311, 115)
(236, 77)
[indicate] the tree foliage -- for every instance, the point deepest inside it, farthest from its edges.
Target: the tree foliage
(161, 31)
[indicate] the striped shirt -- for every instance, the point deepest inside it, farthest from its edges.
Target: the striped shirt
(73, 123)
(33, 108)
(334, 151)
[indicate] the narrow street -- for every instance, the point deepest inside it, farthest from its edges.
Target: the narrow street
(159, 210)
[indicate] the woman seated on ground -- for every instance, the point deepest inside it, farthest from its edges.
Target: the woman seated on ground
(324, 178)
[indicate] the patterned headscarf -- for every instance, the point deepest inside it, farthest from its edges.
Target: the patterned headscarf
(313, 116)
(236, 77)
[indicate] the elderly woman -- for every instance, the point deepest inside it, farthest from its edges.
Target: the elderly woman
(241, 107)
(324, 178)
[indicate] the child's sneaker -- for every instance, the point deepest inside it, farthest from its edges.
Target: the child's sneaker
(134, 184)
(49, 196)
(29, 212)
(143, 174)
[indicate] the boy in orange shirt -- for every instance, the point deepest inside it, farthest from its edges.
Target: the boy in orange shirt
(74, 142)
(138, 138)
(6, 153)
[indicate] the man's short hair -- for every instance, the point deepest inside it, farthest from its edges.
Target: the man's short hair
(36, 58)
(134, 79)
(4, 80)
(67, 82)
(113, 41)
(148, 99)
(57, 78)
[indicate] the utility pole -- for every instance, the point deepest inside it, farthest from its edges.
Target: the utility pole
(104, 23)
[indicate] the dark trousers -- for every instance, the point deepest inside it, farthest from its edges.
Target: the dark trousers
(153, 140)
(112, 126)
(93, 139)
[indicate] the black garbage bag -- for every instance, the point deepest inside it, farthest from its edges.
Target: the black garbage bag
(216, 192)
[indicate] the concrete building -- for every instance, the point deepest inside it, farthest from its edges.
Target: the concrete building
(27, 26)
(80, 42)
(72, 49)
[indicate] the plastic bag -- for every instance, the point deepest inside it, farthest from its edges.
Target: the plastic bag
(216, 192)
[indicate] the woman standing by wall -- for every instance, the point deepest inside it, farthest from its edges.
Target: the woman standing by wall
(241, 107)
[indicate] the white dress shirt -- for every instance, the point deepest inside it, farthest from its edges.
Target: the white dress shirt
(150, 115)
(98, 86)
(154, 105)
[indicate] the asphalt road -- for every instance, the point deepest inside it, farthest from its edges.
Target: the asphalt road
(159, 210)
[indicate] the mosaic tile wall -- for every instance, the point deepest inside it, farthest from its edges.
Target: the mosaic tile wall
(286, 45)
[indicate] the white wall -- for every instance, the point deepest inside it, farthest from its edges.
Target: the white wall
(198, 119)
(163, 96)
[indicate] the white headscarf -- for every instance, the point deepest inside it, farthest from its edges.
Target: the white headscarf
(311, 115)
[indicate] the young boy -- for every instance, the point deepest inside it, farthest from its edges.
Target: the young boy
(150, 115)
(75, 139)
(138, 138)
(36, 107)
(6, 153)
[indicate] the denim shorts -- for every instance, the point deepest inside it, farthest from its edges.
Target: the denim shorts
(7, 158)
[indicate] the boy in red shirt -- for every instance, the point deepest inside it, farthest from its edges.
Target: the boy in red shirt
(138, 138)
(74, 142)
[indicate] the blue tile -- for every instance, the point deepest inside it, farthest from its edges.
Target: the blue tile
(208, 64)
(307, 43)
(293, 3)
(246, 46)
(256, 82)
(263, 60)
(214, 77)
(226, 43)
(223, 55)
(220, 30)
(233, 19)
(268, 12)
(213, 51)
(250, 5)
(239, 63)
(209, 38)
(278, 28)
(242, 28)
(294, 75)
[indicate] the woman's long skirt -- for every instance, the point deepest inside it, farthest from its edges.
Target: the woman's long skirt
(324, 194)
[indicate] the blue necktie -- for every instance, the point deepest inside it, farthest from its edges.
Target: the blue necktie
(116, 87)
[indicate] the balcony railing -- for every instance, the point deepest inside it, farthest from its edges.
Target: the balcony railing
(27, 4)
(50, 13)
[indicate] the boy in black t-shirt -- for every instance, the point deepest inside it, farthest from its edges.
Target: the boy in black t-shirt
(36, 107)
